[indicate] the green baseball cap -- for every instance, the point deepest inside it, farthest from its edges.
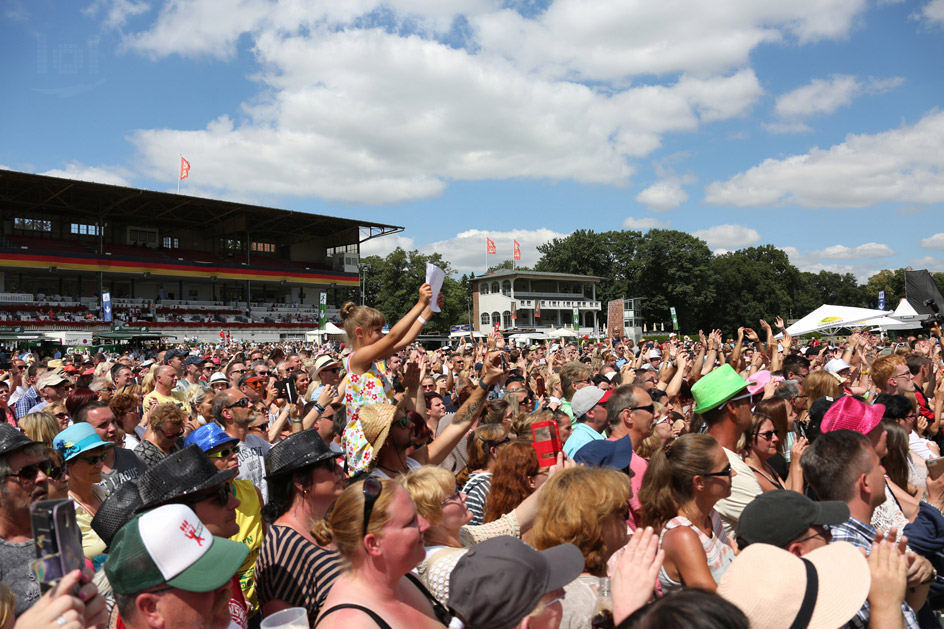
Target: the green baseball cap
(170, 545)
(718, 387)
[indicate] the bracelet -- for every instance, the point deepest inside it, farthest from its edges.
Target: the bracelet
(422, 320)
(485, 387)
(321, 409)
(296, 421)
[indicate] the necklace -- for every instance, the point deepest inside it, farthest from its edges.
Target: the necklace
(86, 505)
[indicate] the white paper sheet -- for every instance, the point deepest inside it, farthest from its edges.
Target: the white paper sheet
(434, 277)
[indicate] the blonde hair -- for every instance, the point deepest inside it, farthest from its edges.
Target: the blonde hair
(363, 317)
(427, 486)
(41, 426)
(573, 506)
(7, 604)
(147, 384)
(820, 384)
(521, 424)
(347, 519)
(884, 368)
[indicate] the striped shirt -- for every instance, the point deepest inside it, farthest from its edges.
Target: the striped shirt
(292, 569)
(476, 490)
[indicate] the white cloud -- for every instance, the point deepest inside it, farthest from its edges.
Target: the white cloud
(114, 175)
(932, 264)
(466, 251)
(932, 13)
(842, 252)
(812, 262)
(903, 165)
(826, 96)
(728, 237)
(384, 245)
(116, 12)
(645, 223)
(933, 242)
(663, 195)
(794, 126)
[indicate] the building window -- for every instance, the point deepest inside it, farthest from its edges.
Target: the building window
(495, 288)
(506, 319)
(171, 243)
(330, 251)
(496, 317)
(32, 224)
(85, 230)
(485, 320)
(506, 287)
(231, 245)
(142, 236)
(263, 247)
(483, 288)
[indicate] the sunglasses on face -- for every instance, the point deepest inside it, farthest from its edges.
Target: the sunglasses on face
(649, 408)
(725, 472)
(768, 435)
(220, 495)
(222, 454)
(333, 369)
(372, 489)
(28, 473)
(402, 422)
(92, 460)
(242, 402)
(172, 435)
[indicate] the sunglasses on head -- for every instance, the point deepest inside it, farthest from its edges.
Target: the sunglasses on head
(372, 489)
(222, 454)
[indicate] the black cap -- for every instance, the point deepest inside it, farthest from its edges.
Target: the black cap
(179, 475)
(297, 451)
(117, 510)
(194, 360)
(171, 353)
(780, 517)
(12, 439)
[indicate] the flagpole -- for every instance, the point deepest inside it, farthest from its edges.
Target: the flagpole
(486, 253)
(180, 156)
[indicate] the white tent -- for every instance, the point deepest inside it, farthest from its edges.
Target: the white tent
(828, 318)
(905, 313)
(477, 335)
(559, 333)
(330, 330)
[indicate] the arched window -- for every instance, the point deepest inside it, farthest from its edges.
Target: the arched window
(506, 287)
(495, 288)
(506, 319)
(496, 317)
(483, 288)
(485, 320)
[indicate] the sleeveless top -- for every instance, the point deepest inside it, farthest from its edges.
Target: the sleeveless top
(371, 387)
(719, 552)
(249, 520)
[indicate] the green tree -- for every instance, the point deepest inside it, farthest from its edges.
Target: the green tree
(752, 284)
(892, 282)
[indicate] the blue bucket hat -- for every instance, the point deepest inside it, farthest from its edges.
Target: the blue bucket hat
(208, 437)
(78, 438)
(605, 453)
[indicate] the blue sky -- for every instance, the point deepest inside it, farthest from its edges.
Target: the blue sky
(813, 125)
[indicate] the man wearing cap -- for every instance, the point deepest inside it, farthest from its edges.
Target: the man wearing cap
(630, 412)
(842, 465)
(167, 569)
(724, 403)
(53, 387)
(589, 406)
(31, 397)
(193, 369)
(175, 358)
(165, 380)
(232, 409)
(789, 520)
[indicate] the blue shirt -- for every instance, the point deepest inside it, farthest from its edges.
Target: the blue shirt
(582, 435)
(861, 535)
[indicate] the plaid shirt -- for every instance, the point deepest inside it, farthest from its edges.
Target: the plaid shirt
(861, 535)
(30, 399)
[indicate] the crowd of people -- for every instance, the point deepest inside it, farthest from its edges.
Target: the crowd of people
(749, 481)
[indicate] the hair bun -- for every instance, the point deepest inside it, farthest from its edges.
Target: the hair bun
(347, 310)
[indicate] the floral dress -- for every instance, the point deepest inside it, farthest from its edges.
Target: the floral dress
(371, 387)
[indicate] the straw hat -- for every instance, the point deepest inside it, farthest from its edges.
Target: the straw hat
(775, 588)
(376, 420)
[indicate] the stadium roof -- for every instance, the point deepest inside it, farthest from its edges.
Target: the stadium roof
(27, 192)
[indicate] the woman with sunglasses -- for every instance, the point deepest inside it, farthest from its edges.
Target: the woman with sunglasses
(84, 454)
(297, 564)
(679, 491)
(379, 534)
(162, 437)
(6, 413)
(763, 442)
(222, 450)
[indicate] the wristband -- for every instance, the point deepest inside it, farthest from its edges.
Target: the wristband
(321, 409)
(485, 387)
(422, 320)
(296, 421)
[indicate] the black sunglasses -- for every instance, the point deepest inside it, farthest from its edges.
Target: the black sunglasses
(649, 408)
(29, 472)
(92, 460)
(220, 495)
(725, 472)
(243, 402)
(372, 489)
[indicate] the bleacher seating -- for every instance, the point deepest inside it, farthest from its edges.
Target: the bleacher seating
(130, 251)
(57, 245)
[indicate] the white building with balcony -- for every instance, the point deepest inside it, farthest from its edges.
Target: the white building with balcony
(535, 300)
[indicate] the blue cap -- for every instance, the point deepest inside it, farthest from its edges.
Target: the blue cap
(209, 437)
(604, 453)
(78, 438)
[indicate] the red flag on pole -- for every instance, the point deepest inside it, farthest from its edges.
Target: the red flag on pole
(489, 245)
(184, 168)
(517, 250)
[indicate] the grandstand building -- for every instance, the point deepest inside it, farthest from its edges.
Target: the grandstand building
(183, 265)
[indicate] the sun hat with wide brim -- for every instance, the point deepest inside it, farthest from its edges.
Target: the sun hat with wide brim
(718, 387)
(775, 588)
(78, 438)
(376, 420)
(848, 413)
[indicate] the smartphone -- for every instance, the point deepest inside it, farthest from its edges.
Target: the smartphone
(504, 361)
(291, 393)
(935, 467)
(546, 442)
(539, 385)
(57, 539)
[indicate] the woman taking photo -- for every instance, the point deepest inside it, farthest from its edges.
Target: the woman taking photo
(679, 491)
(379, 534)
(84, 454)
(483, 446)
(298, 564)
